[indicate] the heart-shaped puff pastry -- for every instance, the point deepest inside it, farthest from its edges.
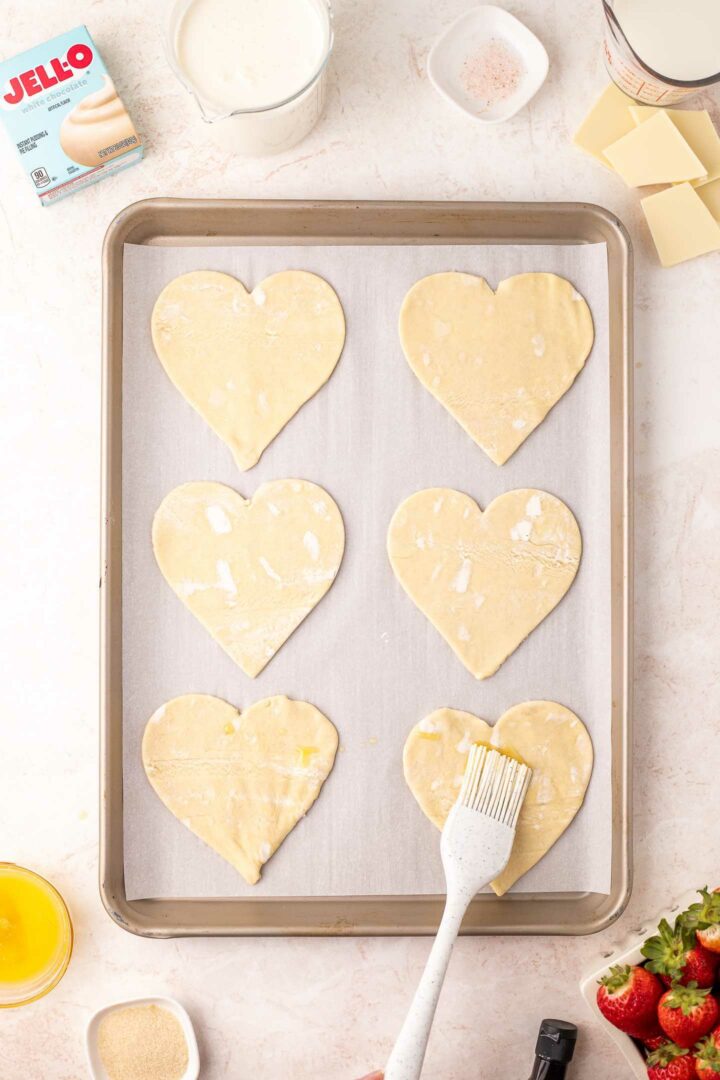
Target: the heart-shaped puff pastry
(249, 569)
(484, 580)
(498, 361)
(548, 737)
(240, 781)
(248, 361)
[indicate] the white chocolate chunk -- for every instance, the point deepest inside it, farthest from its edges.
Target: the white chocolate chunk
(682, 227)
(654, 153)
(608, 120)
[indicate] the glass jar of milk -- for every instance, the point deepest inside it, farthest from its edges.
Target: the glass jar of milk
(662, 51)
(256, 68)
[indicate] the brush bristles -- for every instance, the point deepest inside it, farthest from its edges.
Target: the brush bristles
(495, 784)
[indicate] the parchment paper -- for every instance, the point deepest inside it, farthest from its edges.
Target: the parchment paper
(365, 656)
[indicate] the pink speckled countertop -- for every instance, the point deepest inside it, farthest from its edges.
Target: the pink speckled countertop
(330, 1009)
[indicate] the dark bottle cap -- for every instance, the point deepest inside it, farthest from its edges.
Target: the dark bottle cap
(556, 1041)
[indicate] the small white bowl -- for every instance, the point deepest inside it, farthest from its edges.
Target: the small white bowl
(97, 1070)
(468, 34)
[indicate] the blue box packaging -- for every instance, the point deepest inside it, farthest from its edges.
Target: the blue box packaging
(63, 114)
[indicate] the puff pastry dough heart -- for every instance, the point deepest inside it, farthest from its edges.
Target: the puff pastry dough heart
(484, 580)
(248, 361)
(498, 361)
(240, 781)
(549, 738)
(249, 569)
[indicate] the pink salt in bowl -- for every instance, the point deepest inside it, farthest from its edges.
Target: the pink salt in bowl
(488, 64)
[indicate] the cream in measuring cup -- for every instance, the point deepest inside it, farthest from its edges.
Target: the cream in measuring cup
(662, 51)
(255, 67)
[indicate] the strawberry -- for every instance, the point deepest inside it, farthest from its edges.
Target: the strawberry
(674, 955)
(710, 938)
(686, 1013)
(671, 1062)
(628, 997)
(704, 918)
(703, 912)
(707, 1061)
(654, 1042)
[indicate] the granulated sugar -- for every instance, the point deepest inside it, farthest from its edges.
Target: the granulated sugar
(491, 74)
(142, 1042)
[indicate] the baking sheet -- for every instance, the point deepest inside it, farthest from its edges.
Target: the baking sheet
(366, 656)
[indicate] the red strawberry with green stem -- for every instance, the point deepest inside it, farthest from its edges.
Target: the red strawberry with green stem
(709, 938)
(707, 1060)
(675, 956)
(704, 918)
(686, 1013)
(671, 1062)
(628, 997)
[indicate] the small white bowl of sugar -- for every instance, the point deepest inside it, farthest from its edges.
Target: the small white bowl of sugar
(488, 64)
(144, 1039)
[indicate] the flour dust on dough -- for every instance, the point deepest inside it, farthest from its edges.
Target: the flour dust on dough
(498, 361)
(247, 361)
(249, 570)
(549, 738)
(484, 580)
(240, 781)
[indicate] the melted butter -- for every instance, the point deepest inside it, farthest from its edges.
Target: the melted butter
(305, 754)
(503, 751)
(434, 735)
(229, 729)
(33, 929)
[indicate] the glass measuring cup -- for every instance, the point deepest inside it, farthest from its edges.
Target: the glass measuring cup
(262, 130)
(634, 75)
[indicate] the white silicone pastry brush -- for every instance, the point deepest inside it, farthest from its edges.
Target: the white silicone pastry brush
(475, 847)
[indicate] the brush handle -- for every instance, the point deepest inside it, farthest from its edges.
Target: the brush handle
(406, 1059)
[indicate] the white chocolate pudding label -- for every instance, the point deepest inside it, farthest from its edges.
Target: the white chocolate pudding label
(98, 128)
(63, 113)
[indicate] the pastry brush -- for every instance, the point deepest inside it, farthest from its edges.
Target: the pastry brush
(476, 843)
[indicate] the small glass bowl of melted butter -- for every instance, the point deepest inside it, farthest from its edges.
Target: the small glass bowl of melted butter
(36, 936)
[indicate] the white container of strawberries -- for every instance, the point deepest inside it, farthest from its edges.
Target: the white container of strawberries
(659, 997)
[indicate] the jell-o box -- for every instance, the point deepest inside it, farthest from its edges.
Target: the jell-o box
(63, 114)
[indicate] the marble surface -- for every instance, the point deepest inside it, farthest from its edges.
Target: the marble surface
(330, 1009)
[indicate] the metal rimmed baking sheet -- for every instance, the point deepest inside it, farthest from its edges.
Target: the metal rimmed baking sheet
(192, 225)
